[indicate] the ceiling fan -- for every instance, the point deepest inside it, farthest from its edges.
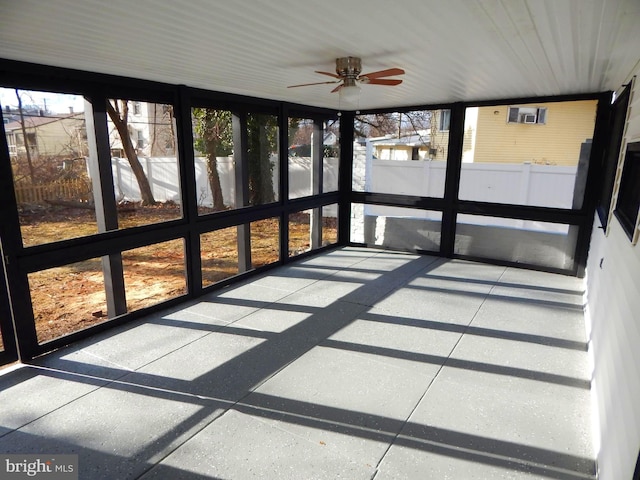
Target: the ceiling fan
(348, 75)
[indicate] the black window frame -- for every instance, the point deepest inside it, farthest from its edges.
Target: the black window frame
(628, 199)
(612, 154)
(20, 261)
(99, 88)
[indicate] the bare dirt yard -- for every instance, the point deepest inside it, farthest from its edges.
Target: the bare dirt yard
(70, 298)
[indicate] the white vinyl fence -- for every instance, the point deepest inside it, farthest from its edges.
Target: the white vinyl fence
(163, 177)
(522, 184)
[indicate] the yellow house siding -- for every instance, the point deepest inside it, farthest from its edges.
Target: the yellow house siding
(60, 137)
(557, 142)
(440, 141)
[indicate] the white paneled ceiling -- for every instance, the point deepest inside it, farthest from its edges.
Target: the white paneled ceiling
(451, 50)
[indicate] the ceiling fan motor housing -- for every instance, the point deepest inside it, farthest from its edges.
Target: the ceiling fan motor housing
(348, 67)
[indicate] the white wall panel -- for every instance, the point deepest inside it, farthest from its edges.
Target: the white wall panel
(613, 286)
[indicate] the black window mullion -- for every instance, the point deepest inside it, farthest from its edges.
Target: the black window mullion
(316, 183)
(186, 167)
(105, 201)
(452, 180)
(241, 159)
(14, 278)
(345, 177)
(284, 182)
(598, 150)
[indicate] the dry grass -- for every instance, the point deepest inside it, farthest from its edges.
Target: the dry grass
(70, 298)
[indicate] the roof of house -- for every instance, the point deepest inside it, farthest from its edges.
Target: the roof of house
(421, 138)
(33, 121)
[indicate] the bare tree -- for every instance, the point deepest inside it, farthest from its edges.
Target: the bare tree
(119, 113)
(393, 123)
(213, 128)
(32, 175)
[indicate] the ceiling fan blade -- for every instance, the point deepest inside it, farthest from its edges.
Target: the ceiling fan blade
(334, 75)
(383, 81)
(315, 83)
(383, 73)
(337, 88)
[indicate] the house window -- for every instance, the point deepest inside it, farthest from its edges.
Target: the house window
(610, 161)
(140, 139)
(31, 139)
(137, 108)
(445, 120)
(629, 193)
(527, 115)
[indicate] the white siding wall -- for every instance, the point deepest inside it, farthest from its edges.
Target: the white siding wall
(613, 305)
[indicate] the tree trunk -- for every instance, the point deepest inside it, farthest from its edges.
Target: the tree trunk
(260, 168)
(214, 177)
(32, 173)
(121, 125)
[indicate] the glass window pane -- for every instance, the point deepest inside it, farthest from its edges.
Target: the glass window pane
(533, 154)
(144, 162)
(214, 162)
(520, 241)
(300, 163)
(49, 149)
(265, 242)
(219, 253)
(299, 233)
(154, 273)
(312, 229)
(67, 299)
(263, 144)
(330, 224)
(331, 156)
(395, 227)
(401, 153)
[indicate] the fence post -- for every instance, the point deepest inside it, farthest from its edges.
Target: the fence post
(525, 183)
(426, 178)
(150, 175)
(118, 180)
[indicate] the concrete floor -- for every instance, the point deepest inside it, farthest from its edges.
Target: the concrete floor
(355, 364)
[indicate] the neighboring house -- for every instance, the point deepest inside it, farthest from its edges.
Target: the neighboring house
(151, 130)
(329, 142)
(441, 120)
(406, 147)
(162, 138)
(330, 139)
(426, 144)
(544, 133)
(48, 135)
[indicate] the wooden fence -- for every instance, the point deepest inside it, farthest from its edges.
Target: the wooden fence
(76, 189)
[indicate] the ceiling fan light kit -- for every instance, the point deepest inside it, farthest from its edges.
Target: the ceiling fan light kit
(348, 76)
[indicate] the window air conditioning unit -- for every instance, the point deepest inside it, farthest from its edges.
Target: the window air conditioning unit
(529, 118)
